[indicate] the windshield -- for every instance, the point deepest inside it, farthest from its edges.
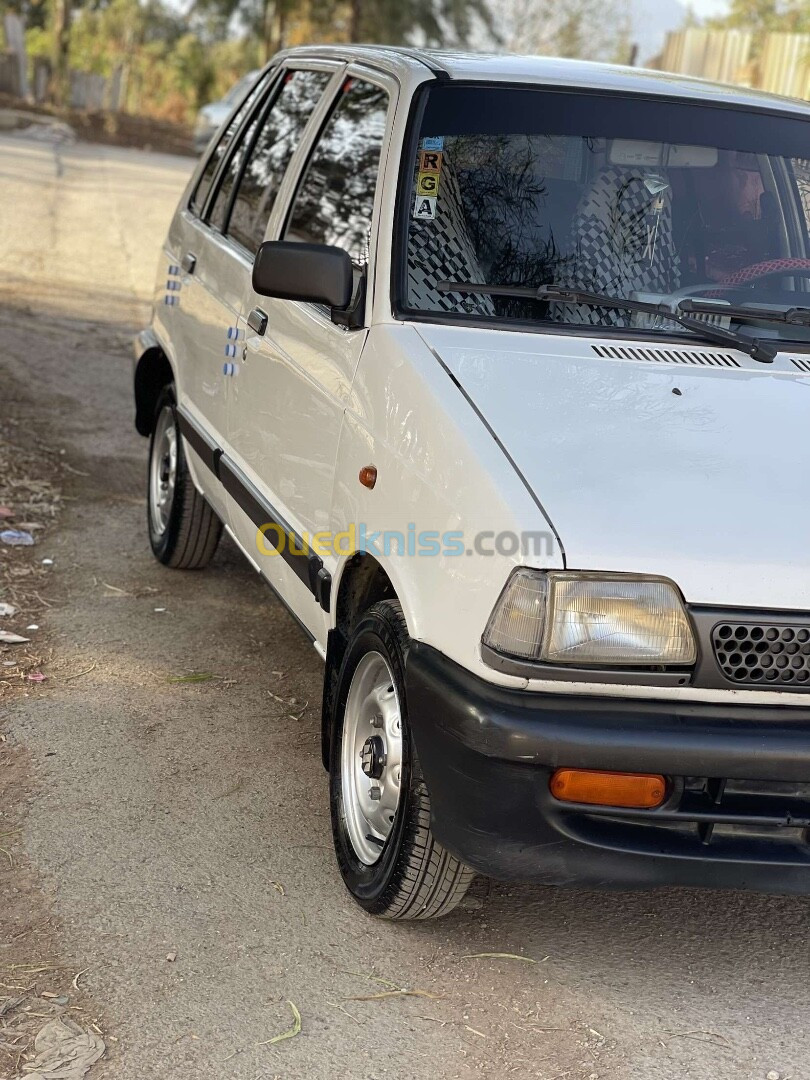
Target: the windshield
(634, 198)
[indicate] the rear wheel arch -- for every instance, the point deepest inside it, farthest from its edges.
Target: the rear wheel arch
(153, 372)
(184, 531)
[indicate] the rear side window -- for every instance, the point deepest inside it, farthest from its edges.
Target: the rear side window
(335, 199)
(280, 133)
(218, 215)
(208, 173)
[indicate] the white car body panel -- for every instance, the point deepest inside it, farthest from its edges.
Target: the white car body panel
(707, 487)
(438, 470)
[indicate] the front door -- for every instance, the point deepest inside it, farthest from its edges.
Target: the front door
(287, 405)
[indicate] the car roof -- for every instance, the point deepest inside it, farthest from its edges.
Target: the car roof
(552, 71)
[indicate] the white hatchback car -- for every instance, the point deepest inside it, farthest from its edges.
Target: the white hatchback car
(498, 370)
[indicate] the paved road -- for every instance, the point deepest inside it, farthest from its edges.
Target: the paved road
(171, 816)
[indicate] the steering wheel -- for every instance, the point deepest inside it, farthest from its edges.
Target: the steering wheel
(761, 270)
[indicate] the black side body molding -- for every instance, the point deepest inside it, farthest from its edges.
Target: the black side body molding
(291, 547)
(208, 452)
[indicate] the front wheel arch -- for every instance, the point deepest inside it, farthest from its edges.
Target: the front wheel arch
(362, 584)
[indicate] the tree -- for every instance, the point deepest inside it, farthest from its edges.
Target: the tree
(270, 23)
(762, 16)
(278, 23)
(424, 22)
(162, 66)
(579, 29)
(60, 37)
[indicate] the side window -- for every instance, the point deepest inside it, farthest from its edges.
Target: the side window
(207, 177)
(222, 200)
(281, 131)
(335, 198)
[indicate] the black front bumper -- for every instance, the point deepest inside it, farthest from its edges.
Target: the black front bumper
(738, 814)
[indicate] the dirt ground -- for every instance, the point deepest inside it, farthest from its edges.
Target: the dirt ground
(167, 841)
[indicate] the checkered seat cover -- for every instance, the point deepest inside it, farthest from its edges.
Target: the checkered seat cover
(621, 243)
(441, 250)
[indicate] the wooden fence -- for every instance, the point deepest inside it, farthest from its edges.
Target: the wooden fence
(781, 66)
(86, 91)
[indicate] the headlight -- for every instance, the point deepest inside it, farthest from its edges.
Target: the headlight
(584, 619)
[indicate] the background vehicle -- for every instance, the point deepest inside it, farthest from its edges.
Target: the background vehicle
(523, 316)
(215, 113)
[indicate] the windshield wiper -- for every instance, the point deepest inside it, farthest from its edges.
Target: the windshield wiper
(795, 316)
(762, 351)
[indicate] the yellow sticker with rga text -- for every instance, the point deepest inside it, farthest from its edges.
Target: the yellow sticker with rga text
(427, 183)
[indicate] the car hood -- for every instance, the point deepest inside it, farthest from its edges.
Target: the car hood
(654, 459)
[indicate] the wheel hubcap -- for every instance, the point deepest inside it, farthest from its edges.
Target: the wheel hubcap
(371, 757)
(163, 471)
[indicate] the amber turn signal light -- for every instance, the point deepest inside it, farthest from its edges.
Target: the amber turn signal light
(368, 476)
(639, 791)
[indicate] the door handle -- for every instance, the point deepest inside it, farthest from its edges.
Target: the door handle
(189, 262)
(257, 321)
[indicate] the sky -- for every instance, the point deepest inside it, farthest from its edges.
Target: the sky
(651, 19)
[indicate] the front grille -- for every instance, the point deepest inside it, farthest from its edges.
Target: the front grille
(772, 654)
(761, 809)
(760, 821)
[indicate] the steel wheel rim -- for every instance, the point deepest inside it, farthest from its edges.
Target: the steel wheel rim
(371, 757)
(163, 471)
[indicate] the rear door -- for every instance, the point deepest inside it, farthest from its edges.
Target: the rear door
(223, 264)
(286, 406)
(187, 303)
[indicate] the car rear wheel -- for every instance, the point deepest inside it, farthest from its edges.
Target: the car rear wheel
(183, 529)
(388, 857)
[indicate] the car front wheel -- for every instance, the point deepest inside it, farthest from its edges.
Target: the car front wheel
(388, 857)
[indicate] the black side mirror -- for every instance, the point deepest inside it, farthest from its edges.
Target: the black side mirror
(314, 273)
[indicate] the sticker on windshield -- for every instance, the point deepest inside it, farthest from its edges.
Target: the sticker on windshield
(427, 183)
(433, 142)
(424, 208)
(430, 161)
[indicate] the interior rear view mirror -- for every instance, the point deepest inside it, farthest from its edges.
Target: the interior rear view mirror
(639, 152)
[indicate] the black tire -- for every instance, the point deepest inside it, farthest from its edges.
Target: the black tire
(188, 537)
(414, 876)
